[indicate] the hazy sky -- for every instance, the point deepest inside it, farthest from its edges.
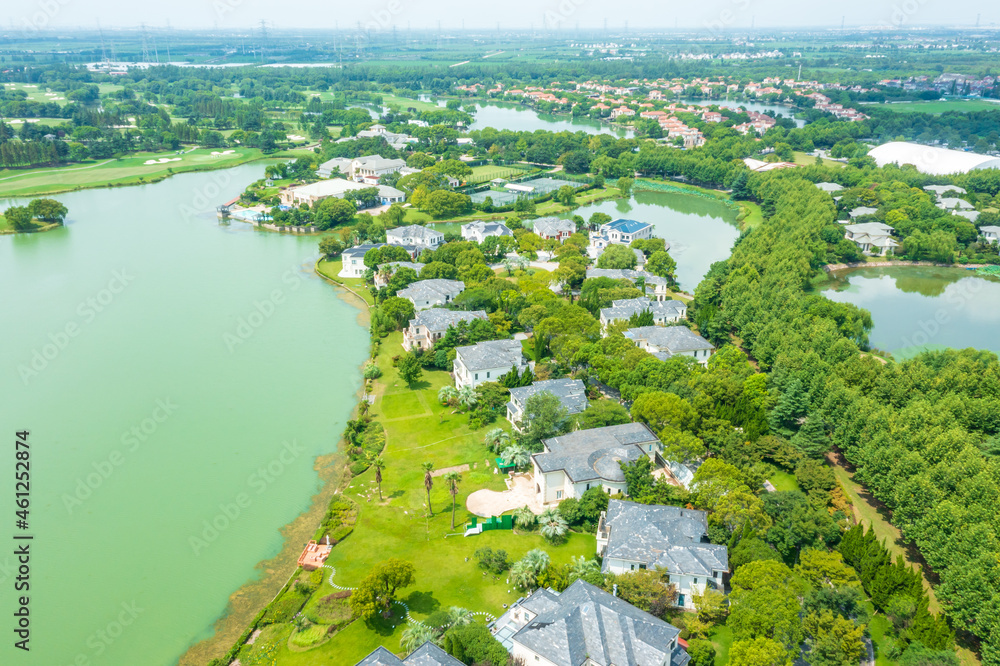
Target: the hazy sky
(709, 15)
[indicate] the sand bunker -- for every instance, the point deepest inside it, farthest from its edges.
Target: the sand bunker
(163, 160)
(216, 153)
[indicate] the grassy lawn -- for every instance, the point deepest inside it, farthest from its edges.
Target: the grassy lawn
(806, 159)
(783, 481)
(722, 638)
(407, 103)
(878, 628)
(750, 215)
(330, 269)
(419, 429)
(126, 171)
(937, 106)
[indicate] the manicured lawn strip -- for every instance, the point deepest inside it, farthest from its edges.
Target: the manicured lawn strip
(722, 638)
(487, 172)
(750, 215)
(783, 481)
(936, 106)
(878, 627)
(406, 103)
(330, 269)
(806, 159)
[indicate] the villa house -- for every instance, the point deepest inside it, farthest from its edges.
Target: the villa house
(338, 188)
(386, 271)
(487, 362)
(664, 312)
(656, 286)
(664, 342)
(861, 211)
(941, 189)
(634, 536)
(429, 326)
(830, 187)
(396, 140)
(585, 626)
(479, 231)
(990, 233)
(618, 232)
(954, 203)
(427, 654)
(414, 234)
(553, 228)
(359, 168)
(341, 165)
(429, 293)
(572, 395)
(352, 259)
(871, 237)
(572, 464)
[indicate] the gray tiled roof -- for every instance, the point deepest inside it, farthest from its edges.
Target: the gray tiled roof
(431, 290)
(673, 339)
(488, 228)
(491, 354)
(625, 274)
(427, 654)
(551, 226)
(394, 266)
(662, 536)
(595, 453)
(360, 250)
(585, 624)
(414, 232)
(439, 319)
(571, 393)
(829, 187)
(626, 307)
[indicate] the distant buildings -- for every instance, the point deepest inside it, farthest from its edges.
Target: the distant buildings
(572, 464)
(352, 259)
(429, 326)
(990, 234)
(479, 231)
(664, 342)
(487, 362)
(871, 237)
(634, 536)
(414, 234)
(430, 293)
(572, 395)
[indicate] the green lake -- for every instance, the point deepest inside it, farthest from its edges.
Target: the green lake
(179, 378)
(700, 230)
(918, 308)
(517, 118)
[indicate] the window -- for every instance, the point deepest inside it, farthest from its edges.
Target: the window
(559, 494)
(487, 374)
(477, 375)
(642, 566)
(695, 581)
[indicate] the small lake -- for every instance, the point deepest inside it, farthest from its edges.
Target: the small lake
(919, 308)
(519, 118)
(179, 378)
(759, 107)
(700, 230)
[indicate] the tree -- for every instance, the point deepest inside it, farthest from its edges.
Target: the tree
(662, 264)
(452, 478)
(660, 410)
(552, 525)
(566, 195)
(496, 439)
(711, 606)
(919, 655)
(448, 393)
(517, 456)
(601, 413)
(378, 464)
(597, 219)
(428, 484)
(624, 185)
(644, 589)
(415, 635)
(467, 397)
(409, 369)
(47, 210)
(333, 212)
(545, 417)
(617, 256)
(377, 592)
(834, 640)
(330, 246)
(757, 652)
(525, 517)
(398, 311)
(764, 603)
(702, 653)
(474, 644)
(638, 476)
(18, 217)
(811, 439)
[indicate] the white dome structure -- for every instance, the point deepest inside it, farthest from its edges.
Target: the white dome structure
(931, 160)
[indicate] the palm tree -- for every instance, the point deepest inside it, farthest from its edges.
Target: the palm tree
(446, 394)
(458, 616)
(525, 517)
(428, 484)
(522, 575)
(582, 567)
(453, 478)
(553, 525)
(496, 439)
(517, 455)
(378, 464)
(414, 636)
(537, 559)
(467, 397)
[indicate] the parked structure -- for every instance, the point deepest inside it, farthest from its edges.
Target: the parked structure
(586, 626)
(871, 237)
(430, 293)
(572, 464)
(479, 231)
(663, 342)
(487, 362)
(429, 326)
(664, 312)
(414, 234)
(572, 395)
(634, 536)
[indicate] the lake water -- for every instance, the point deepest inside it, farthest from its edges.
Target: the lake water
(700, 231)
(179, 379)
(759, 107)
(919, 308)
(524, 119)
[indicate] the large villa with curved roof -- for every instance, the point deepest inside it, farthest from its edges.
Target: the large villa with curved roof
(572, 464)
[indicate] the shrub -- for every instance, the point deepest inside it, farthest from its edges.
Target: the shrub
(309, 637)
(371, 370)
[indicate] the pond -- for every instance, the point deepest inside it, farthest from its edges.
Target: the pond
(519, 118)
(700, 230)
(179, 378)
(759, 107)
(916, 308)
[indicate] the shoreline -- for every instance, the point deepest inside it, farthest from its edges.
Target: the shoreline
(253, 596)
(42, 229)
(833, 268)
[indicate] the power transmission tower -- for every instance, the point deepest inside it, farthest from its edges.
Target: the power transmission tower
(263, 40)
(145, 45)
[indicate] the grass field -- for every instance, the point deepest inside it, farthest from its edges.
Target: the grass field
(407, 103)
(750, 215)
(783, 481)
(419, 429)
(805, 159)
(330, 270)
(116, 172)
(937, 106)
(487, 172)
